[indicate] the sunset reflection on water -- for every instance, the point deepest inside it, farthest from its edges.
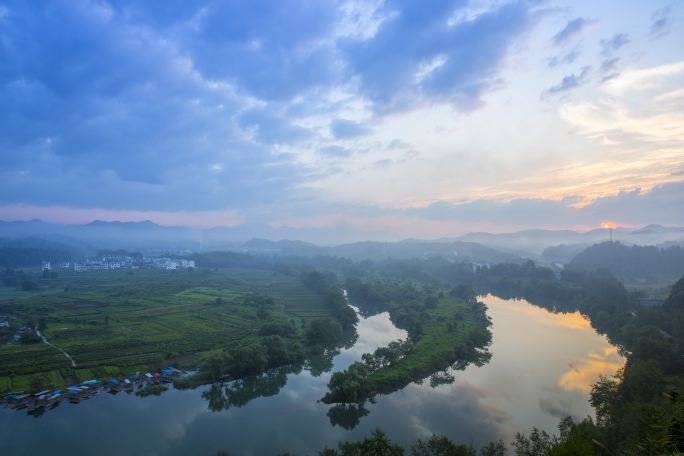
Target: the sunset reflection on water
(583, 374)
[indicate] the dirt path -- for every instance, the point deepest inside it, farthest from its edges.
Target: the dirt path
(68, 356)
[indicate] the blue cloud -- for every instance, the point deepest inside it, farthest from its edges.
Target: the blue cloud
(347, 129)
(112, 115)
(661, 23)
(417, 55)
(144, 103)
(335, 151)
(564, 58)
(614, 43)
(130, 105)
(569, 82)
(487, 210)
(270, 49)
(572, 29)
(609, 68)
(272, 129)
(398, 144)
(662, 204)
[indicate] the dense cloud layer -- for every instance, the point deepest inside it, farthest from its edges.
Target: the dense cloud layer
(664, 204)
(247, 107)
(128, 105)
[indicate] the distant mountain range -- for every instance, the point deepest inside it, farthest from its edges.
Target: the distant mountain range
(536, 240)
(546, 245)
(98, 234)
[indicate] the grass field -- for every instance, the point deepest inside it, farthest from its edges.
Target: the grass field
(116, 322)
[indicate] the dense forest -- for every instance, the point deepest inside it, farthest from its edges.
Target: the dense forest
(632, 262)
(30, 252)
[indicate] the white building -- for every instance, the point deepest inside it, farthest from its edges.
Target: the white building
(111, 263)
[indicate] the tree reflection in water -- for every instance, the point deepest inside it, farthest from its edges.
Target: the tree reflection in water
(347, 416)
(238, 393)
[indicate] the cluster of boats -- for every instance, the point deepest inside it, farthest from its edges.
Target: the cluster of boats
(38, 403)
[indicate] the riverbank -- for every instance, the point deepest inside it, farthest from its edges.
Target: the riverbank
(447, 331)
(36, 404)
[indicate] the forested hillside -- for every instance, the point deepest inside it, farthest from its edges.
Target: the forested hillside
(30, 252)
(635, 262)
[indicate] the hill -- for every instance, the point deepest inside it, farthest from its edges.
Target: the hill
(106, 235)
(535, 241)
(563, 253)
(31, 251)
(632, 263)
(676, 298)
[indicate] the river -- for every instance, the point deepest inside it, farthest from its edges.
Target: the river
(542, 368)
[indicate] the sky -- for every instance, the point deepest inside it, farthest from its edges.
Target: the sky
(387, 119)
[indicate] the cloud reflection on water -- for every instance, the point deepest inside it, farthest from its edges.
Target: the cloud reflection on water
(584, 373)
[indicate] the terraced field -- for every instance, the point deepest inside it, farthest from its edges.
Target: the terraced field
(115, 322)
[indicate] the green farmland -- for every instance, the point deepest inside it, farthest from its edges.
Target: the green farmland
(117, 322)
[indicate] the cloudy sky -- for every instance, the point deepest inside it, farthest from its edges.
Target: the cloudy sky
(382, 118)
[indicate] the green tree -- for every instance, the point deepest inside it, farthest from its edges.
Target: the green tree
(215, 365)
(494, 449)
(377, 444)
(642, 381)
(276, 350)
(350, 386)
(576, 439)
(538, 443)
(604, 398)
(439, 445)
(247, 360)
(655, 436)
(323, 331)
(431, 301)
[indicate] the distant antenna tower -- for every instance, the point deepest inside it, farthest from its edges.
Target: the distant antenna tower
(609, 226)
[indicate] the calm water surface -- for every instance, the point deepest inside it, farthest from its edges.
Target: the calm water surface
(542, 367)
